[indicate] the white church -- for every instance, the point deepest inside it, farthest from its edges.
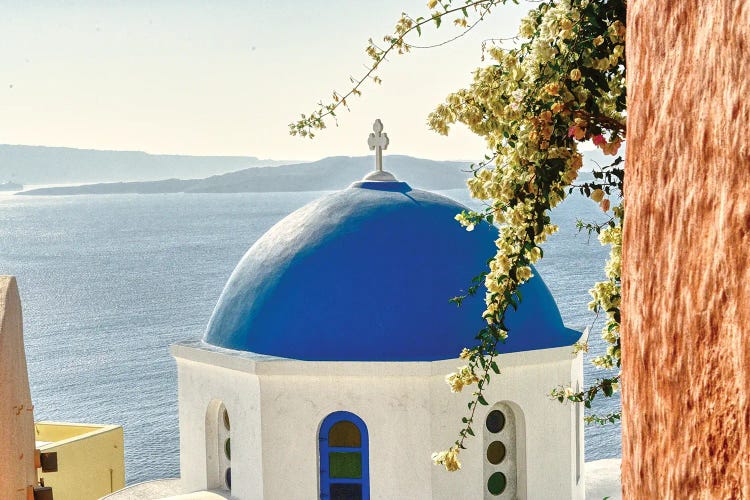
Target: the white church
(322, 371)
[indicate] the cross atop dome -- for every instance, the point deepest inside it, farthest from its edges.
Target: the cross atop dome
(378, 141)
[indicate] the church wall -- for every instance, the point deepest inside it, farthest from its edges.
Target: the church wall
(409, 412)
(546, 427)
(200, 384)
(395, 410)
(577, 441)
(686, 265)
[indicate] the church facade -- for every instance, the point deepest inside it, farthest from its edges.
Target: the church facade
(322, 370)
(334, 430)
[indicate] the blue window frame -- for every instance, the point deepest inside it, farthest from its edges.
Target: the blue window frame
(344, 458)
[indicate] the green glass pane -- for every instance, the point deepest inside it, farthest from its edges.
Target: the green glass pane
(496, 483)
(495, 452)
(345, 465)
(344, 434)
(228, 449)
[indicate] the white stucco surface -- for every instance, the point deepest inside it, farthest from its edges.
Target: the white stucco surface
(147, 490)
(277, 405)
(602, 481)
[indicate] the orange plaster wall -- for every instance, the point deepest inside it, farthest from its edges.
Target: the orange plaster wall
(686, 255)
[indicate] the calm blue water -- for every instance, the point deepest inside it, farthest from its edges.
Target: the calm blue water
(109, 282)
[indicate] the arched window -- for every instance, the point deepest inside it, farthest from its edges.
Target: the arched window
(501, 453)
(225, 449)
(218, 447)
(344, 458)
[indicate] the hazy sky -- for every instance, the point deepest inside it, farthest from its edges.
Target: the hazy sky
(224, 77)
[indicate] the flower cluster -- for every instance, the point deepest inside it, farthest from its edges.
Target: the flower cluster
(448, 458)
(561, 84)
(463, 377)
(606, 295)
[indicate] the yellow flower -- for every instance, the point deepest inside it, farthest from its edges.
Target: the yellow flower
(575, 75)
(612, 147)
(598, 40)
(523, 273)
(580, 346)
(431, 4)
(577, 132)
(534, 254)
(454, 381)
(439, 458)
(552, 88)
(527, 28)
(616, 31)
(449, 458)
(597, 195)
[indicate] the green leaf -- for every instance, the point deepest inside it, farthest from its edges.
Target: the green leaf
(481, 400)
(495, 367)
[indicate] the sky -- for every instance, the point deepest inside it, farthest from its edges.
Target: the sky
(226, 77)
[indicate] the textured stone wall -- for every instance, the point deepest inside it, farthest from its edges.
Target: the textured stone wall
(17, 471)
(686, 264)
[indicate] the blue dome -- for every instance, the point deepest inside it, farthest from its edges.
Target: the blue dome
(365, 274)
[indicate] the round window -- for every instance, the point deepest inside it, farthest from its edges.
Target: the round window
(496, 483)
(495, 452)
(495, 421)
(226, 420)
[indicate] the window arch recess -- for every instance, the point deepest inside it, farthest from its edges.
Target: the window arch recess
(344, 461)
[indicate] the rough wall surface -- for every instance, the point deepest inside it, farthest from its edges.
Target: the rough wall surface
(17, 470)
(686, 264)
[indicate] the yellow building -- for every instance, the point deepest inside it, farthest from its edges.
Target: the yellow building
(90, 459)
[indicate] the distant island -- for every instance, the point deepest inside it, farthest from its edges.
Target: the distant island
(112, 172)
(54, 165)
(10, 186)
(327, 174)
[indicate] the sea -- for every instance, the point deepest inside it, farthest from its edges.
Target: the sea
(109, 282)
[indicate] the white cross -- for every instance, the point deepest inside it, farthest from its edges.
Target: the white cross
(378, 141)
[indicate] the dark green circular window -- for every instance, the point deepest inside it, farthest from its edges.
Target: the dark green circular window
(495, 452)
(228, 449)
(496, 483)
(495, 421)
